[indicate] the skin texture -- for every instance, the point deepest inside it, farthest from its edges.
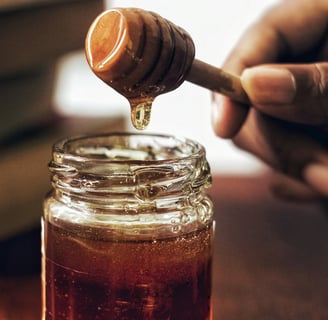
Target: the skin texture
(282, 62)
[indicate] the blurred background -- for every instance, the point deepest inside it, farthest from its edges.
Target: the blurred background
(47, 92)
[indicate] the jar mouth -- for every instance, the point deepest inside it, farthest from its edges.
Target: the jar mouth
(128, 167)
(128, 148)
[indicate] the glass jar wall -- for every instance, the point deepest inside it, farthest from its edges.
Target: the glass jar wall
(128, 229)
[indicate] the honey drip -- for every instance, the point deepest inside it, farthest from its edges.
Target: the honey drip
(140, 113)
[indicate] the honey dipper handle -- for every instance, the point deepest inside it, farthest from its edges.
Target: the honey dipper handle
(215, 79)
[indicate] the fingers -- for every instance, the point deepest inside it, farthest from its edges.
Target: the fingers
(259, 44)
(291, 151)
(277, 36)
(253, 48)
(289, 189)
(285, 147)
(287, 124)
(296, 93)
(227, 116)
(316, 175)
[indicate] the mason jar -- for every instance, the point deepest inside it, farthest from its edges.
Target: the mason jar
(127, 229)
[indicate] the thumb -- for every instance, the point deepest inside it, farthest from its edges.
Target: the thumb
(294, 92)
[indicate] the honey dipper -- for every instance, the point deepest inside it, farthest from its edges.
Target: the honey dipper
(142, 55)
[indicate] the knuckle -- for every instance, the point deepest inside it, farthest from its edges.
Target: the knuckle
(321, 79)
(319, 94)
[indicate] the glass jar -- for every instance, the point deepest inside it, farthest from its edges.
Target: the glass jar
(127, 229)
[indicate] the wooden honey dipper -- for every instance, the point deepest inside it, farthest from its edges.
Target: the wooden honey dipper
(142, 55)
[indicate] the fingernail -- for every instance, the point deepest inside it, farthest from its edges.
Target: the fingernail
(316, 175)
(268, 85)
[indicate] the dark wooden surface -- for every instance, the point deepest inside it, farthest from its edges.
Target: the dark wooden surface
(271, 259)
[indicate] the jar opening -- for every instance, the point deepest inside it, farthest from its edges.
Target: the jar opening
(128, 148)
(126, 166)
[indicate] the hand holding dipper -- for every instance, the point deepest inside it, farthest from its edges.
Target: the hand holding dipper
(142, 55)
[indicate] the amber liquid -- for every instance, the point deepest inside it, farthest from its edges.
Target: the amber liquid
(89, 277)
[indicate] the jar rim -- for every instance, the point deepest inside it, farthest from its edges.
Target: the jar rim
(178, 148)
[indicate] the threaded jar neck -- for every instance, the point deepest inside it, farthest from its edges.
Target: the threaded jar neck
(124, 179)
(138, 165)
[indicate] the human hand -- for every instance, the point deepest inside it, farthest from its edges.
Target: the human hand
(281, 61)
